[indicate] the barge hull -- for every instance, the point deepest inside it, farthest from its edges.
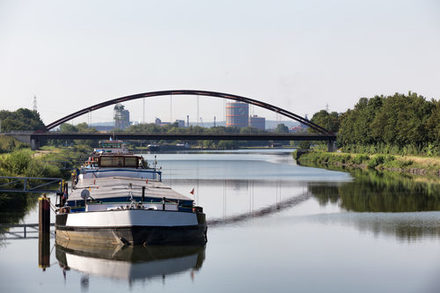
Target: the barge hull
(136, 235)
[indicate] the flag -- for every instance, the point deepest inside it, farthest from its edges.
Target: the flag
(192, 191)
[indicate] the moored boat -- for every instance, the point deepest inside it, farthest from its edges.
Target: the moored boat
(118, 199)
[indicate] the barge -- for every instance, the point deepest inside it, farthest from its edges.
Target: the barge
(116, 198)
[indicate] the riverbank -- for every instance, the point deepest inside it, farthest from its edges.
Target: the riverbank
(416, 165)
(22, 162)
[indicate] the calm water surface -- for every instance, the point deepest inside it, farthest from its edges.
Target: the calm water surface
(275, 227)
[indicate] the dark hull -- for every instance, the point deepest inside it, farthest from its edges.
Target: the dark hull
(138, 235)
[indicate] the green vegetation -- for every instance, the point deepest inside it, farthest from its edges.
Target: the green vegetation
(9, 144)
(13, 206)
(403, 164)
(22, 119)
(69, 128)
(398, 124)
(21, 162)
(330, 121)
(374, 191)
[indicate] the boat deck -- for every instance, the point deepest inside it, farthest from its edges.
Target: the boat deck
(117, 187)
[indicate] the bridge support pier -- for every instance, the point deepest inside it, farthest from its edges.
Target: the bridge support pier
(35, 144)
(331, 146)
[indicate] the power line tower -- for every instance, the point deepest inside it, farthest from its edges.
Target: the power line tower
(89, 118)
(143, 110)
(171, 108)
(34, 104)
(198, 116)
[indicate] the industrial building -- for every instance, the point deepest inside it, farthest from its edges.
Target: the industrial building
(121, 117)
(257, 122)
(180, 123)
(237, 114)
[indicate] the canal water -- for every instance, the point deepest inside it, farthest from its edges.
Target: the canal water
(275, 226)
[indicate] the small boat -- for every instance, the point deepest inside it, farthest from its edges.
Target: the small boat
(111, 146)
(116, 198)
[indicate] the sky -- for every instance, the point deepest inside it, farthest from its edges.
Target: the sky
(301, 55)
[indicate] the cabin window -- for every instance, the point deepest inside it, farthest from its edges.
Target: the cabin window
(131, 162)
(112, 162)
(117, 161)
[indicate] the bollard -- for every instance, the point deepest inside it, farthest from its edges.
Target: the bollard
(44, 232)
(44, 214)
(44, 250)
(143, 193)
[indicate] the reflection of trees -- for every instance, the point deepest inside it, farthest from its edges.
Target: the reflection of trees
(325, 194)
(377, 192)
(373, 191)
(404, 226)
(13, 213)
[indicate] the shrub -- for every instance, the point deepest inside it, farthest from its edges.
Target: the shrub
(359, 159)
(376, 161)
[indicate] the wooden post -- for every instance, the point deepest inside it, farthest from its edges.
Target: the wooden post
(143, 193)
(44, 232)
(44, 214)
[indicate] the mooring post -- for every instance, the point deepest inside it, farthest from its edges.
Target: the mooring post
(44, 232)
(143, 193)
(44, 214)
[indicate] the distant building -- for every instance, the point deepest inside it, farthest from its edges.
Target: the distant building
(237, 114)
(257, 122)
(121, 117)
(158, 121)
(180, 123)
(298, 129)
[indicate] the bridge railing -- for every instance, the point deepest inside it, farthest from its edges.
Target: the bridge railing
(30, 184)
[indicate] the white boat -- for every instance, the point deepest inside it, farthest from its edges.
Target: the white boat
(118, 199)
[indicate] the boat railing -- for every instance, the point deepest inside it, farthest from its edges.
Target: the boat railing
(130, 173)
(163, 205)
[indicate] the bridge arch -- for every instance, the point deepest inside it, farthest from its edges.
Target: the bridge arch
(261, 104)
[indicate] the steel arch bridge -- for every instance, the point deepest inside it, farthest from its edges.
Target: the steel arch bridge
(261, 104)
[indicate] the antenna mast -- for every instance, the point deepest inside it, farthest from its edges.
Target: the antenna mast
(34, 104)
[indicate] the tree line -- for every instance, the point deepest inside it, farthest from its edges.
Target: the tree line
(398, 124)
(22, 119)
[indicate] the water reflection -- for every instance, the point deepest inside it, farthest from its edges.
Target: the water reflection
(131, 263)
(373, 191)
(387, 202)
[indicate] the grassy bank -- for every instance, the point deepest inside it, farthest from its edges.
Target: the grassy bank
(22, 162)
(425, 166)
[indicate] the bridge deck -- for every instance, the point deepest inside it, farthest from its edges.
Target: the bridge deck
(149, 136)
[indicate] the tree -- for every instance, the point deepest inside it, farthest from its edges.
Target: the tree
(329, 121)
(398, 123)
(281, 128)
(22, 119)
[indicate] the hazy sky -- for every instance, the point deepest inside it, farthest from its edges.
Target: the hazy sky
(299, 55)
